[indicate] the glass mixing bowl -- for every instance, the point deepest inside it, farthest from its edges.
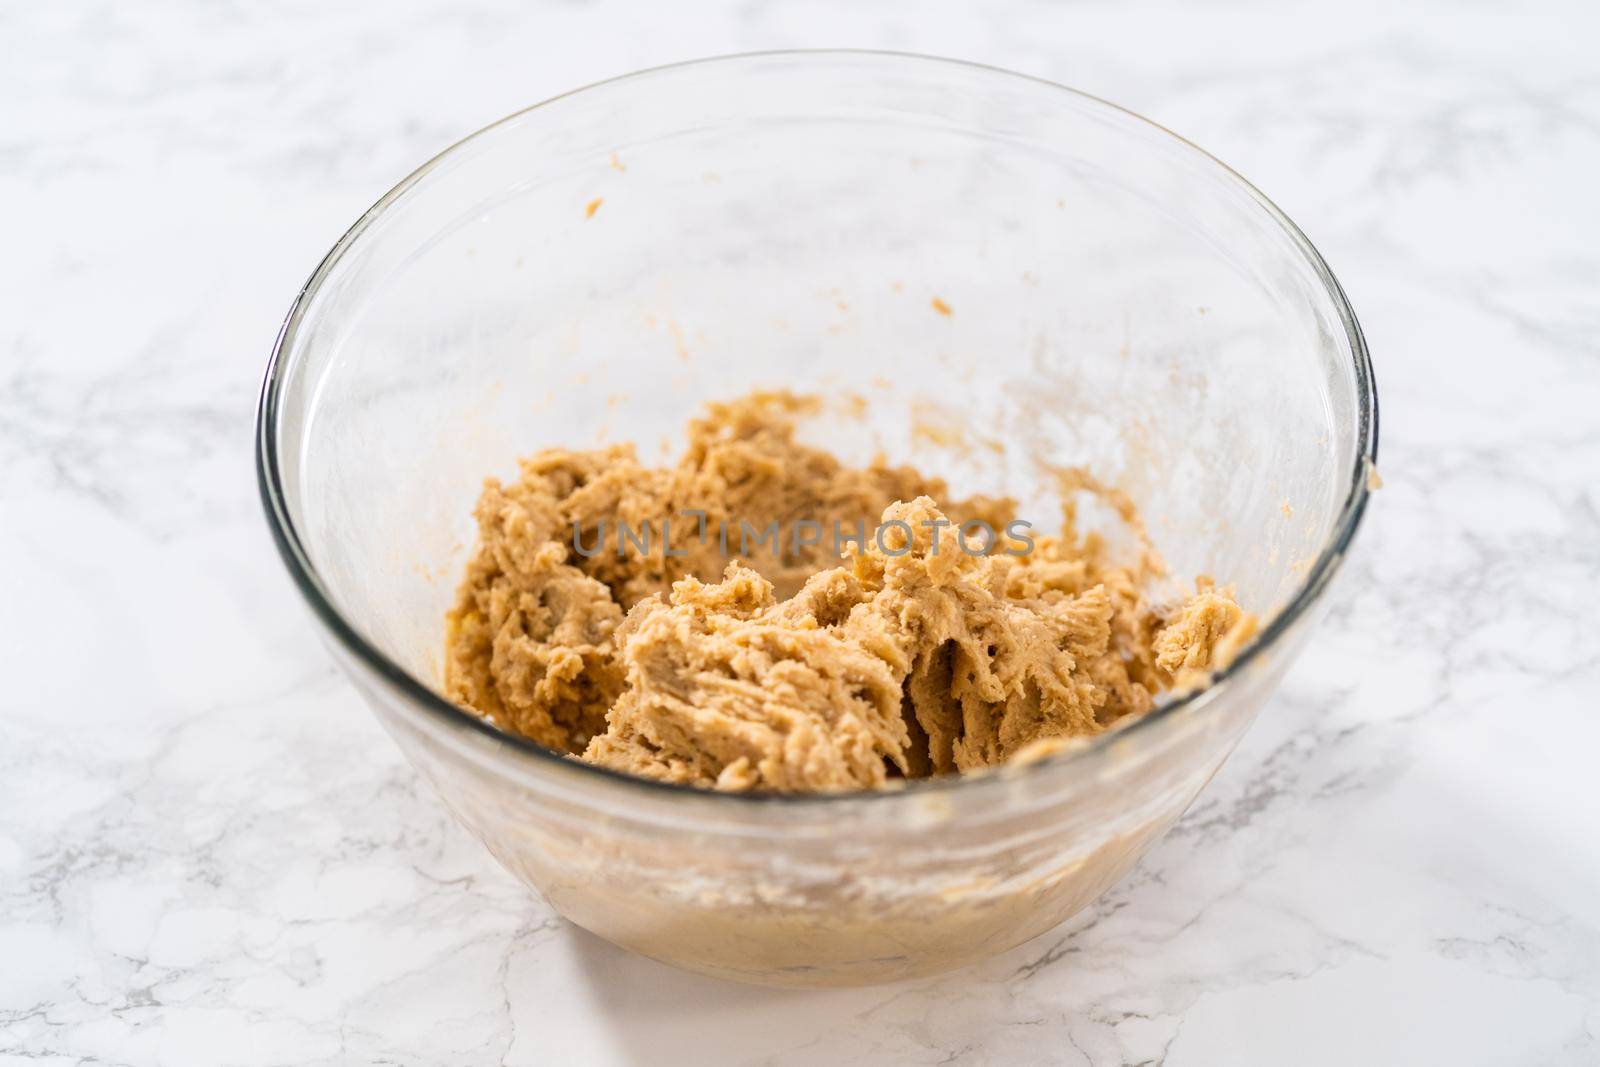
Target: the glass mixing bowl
(960, 246)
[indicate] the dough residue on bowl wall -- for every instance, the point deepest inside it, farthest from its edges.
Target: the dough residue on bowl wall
(761, 616)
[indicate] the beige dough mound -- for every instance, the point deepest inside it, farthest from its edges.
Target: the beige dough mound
(798, 667)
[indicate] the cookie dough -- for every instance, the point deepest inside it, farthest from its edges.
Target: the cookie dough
(621, 614)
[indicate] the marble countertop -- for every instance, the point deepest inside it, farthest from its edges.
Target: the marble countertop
(209, 852)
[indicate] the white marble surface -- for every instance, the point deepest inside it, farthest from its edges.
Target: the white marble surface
(209, 854)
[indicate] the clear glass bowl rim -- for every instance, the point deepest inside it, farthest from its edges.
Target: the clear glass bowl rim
(423, 700)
